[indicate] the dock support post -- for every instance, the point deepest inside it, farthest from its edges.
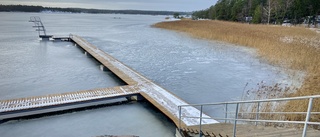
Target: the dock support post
(135, 98)
(87, 54)
(103, 68)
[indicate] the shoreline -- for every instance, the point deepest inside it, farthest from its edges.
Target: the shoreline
(291, 48)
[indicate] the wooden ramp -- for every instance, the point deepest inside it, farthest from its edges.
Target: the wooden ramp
(57, 102)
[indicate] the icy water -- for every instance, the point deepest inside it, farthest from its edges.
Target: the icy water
(196, 70)
(128, 119)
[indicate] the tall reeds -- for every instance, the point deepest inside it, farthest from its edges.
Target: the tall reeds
(294, 48)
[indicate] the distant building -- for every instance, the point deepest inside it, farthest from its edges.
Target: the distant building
(312, 21)
(286, 23)
(248, 19)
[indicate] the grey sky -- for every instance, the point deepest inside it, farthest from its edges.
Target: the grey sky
(172, 5)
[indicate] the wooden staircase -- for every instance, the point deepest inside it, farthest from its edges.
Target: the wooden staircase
(311, 126)
(245, 130)
(195, 131)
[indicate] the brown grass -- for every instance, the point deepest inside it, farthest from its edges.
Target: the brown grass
(294, 48)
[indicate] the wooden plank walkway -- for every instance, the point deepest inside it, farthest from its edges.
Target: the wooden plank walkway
(13, 105)
(164, 100)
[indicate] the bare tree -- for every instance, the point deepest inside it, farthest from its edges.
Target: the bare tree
(287, 5)
(268, 9)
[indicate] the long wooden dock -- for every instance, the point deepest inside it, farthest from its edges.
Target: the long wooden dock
(164, 100)
(137, 84)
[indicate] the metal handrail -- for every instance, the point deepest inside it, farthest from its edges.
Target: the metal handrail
(253, 120)
(295, 113)
(306, 122)
(254, 101)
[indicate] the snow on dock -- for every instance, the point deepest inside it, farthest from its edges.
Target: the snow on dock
(57, 102)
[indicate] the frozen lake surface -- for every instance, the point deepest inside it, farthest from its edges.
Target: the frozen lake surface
(128, 119)
(196, 70)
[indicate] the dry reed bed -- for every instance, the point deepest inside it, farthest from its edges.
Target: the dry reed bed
(294, 48)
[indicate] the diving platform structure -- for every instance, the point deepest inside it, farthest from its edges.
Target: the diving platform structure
(40, 27)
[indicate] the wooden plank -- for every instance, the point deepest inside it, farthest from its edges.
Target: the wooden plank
(33, 102)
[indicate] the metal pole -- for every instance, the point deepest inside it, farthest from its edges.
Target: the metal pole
(235, 121)
(304, 134)
(38, 29)
(257, 114)
(179, 107)
(200, 134)
(226, 114)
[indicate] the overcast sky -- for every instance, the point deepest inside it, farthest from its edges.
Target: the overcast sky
(168, 5)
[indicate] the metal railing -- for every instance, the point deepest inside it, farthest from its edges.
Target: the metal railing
(257, 118)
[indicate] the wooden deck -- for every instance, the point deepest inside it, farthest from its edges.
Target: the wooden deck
(164, 100)
(57, 102)
(55, 99)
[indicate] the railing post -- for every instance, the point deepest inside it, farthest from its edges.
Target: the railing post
(235, 121)
(304, 134)
(179, 107)
(257, 113)
(200, 134)
(226, 114)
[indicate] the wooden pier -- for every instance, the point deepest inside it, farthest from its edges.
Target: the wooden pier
(137, 85)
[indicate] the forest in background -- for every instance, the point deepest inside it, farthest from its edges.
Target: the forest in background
(263, 11)
(26, 8)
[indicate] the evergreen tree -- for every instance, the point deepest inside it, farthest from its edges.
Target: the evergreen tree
(263, 11)
(257, 17)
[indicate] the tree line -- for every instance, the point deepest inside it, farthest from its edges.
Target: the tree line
(263, 11)
(26, 8)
